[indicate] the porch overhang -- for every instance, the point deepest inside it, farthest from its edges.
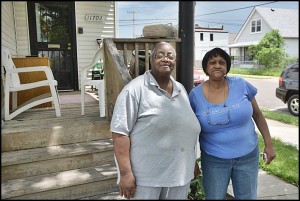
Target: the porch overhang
(243, 44)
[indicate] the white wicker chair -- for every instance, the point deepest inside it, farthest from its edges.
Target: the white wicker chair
(13, 84)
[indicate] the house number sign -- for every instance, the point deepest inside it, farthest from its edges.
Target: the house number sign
(93, 18)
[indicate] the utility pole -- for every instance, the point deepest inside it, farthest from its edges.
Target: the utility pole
(186, 33)
(133, 12)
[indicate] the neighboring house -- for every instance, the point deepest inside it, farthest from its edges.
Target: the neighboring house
(261, 21)
(207, 39)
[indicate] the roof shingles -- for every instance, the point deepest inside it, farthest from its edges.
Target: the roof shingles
(285, 20)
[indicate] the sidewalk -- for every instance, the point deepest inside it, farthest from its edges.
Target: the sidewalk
(284, 132)
(271, 187)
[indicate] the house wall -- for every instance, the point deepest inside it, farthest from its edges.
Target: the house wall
(220, 39)
(8, 31)
(8, 40)
(292, 46)
(247, 36)
(86, 42)
(22, 28)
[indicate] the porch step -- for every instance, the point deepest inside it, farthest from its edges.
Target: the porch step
(32, 162)
(72, 184)
(49, 157)
(40, 128)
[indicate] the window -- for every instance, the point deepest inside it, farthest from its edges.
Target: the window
(293, 72)
(211, 37)
(256, 26)
(201, 36)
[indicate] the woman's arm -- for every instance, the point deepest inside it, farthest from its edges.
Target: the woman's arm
(262, 126)
(127, 184)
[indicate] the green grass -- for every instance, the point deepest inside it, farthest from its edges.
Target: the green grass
(286, 163)
(278, 116)
(257, 71)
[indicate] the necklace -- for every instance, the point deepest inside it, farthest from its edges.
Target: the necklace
(217, 115)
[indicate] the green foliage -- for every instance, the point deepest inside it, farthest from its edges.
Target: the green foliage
(269, 50)
(271, 57)
(196, 188)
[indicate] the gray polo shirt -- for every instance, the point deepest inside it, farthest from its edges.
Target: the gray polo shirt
(163, 131)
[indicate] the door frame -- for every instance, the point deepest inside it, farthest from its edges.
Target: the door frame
(33, 31)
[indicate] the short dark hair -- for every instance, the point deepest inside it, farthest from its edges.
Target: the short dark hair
(213, 53)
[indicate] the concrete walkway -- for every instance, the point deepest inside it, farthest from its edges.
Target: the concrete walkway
(284, 132)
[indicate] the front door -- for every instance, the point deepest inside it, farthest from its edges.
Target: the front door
(52, 34)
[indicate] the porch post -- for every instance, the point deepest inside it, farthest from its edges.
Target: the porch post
(186, 32)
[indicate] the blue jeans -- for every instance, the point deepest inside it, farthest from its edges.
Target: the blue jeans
(242, 171)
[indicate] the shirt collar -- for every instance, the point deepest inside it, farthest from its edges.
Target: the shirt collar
(150, 80)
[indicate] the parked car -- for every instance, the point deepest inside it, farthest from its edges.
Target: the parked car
(288, 89)
(198, 78)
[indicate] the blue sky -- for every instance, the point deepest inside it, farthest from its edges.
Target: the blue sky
(230, 14)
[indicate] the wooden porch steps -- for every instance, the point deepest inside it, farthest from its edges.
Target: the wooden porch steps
(49, 157)
(71, 184)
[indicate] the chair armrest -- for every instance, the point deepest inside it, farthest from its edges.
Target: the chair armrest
(45, 69)
(86, 68)
(97, 55)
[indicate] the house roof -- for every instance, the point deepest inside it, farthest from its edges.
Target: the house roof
(285, 20)
(231, 38)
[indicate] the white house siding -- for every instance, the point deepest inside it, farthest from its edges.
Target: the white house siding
(247, 36)
(22, 28)
(8, 40)
(220, 39)
(86, 42)
(292, 47)
(8, 36)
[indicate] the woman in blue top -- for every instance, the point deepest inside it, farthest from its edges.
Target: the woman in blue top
(225, 107)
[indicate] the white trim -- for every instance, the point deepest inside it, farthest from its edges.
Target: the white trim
(244, 44)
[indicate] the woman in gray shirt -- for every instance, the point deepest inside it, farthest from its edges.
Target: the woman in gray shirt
(155, 132)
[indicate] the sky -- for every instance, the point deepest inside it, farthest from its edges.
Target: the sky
(134, 15)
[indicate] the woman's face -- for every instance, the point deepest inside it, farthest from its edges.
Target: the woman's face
(164, 60)
(216, 67)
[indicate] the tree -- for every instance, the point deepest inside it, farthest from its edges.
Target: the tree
(269, 51)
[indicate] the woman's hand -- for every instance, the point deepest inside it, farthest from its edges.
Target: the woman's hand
(196, 170)
(127, 185)
(270, 154)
